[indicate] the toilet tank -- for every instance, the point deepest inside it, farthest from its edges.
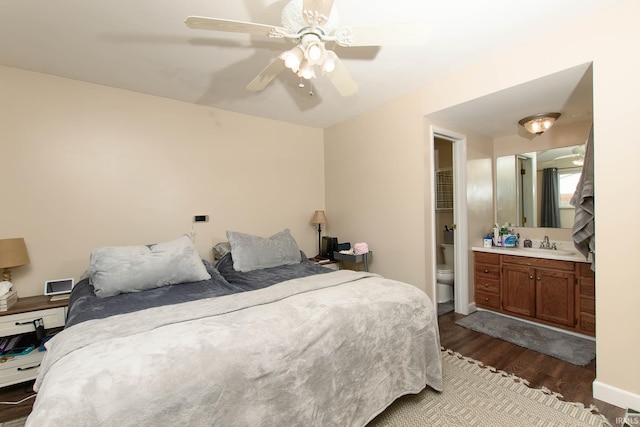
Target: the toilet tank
(449, 257)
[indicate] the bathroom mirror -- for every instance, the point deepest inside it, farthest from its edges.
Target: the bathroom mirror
(520, 179)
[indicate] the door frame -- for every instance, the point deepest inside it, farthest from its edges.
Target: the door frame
(461, 238)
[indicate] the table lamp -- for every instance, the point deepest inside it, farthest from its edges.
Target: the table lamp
(13, 253)
(319, 218)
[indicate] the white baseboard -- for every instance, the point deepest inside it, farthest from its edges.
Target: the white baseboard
(470, 308)
(615, 396)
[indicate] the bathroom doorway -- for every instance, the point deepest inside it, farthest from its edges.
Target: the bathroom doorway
(445, 225)
(454, 158)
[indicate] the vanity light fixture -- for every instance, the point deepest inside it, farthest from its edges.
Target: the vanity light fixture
(539, 123)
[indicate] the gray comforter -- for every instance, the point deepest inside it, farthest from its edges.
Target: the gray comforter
(327, 350)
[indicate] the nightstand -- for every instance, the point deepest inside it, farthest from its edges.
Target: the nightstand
(18, 320)
(327, 263)
(354, 259)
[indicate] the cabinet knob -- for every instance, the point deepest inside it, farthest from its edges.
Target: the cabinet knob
(530, 277)
(486, 271)
(486, 299)
(538, 278)
(486, 285)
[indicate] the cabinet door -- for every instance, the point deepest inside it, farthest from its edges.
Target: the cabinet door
(518, 290)
(555, 296)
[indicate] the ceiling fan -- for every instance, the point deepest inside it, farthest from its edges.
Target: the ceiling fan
(311, 24)
(577, 152)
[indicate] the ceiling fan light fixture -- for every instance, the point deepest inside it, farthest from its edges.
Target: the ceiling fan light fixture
(539, 123)
(306, 71)
(292, 58)
(315, 51)
(329, 63)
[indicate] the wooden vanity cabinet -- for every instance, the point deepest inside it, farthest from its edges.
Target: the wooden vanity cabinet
(487, 280)
(554, 292)
(519, 290)
(555, 296)
(587, 299)
(540, 288)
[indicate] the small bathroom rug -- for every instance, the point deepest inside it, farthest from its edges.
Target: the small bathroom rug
(570, 348)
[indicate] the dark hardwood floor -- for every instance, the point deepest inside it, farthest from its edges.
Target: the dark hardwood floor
(573, 382)
(15, 393)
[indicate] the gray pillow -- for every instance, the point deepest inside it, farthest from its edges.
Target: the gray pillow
(119, 270)
(254, 252)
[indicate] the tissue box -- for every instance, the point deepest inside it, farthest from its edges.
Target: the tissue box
(509, 241)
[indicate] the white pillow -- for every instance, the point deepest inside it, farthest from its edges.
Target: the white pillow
(254, 252)
(118, 270)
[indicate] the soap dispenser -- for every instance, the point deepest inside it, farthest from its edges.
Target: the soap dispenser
(497, 241)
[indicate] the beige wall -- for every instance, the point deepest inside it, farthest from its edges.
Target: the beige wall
(372, 194)
(86, 166)
(387, 204)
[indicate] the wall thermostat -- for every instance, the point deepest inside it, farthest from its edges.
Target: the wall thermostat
(58, 289)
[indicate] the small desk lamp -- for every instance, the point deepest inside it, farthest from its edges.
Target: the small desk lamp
(319, 218)
(13, 253)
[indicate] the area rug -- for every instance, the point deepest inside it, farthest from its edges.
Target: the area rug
(476, 395)
(570, 348)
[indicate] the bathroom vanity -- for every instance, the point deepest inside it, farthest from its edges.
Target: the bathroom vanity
(552, 287)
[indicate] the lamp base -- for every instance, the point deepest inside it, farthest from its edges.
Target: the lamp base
(6, 275)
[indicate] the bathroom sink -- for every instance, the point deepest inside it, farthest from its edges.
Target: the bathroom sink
(548, 251)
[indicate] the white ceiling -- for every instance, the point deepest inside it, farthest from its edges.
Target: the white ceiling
(144, 46)
(569, 92)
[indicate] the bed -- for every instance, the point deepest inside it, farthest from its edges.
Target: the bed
(286, 344)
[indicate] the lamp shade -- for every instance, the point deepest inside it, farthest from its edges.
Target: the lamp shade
(13, 253)
(319, 218)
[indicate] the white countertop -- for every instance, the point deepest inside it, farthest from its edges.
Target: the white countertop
(559, 254)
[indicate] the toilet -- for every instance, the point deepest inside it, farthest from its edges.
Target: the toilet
(445, 274)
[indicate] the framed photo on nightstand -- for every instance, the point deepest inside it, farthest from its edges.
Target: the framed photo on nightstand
(58, 289)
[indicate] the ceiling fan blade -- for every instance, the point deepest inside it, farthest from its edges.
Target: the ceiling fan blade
(566, 156)
(341, 78)
(576, 152)
(317, 12)
(227, 25)
(265, 76)
(408, 34)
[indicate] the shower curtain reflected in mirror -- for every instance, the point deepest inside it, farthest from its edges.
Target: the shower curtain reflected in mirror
(550, 209)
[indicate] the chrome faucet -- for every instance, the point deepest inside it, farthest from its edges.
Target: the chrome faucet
(546, 244)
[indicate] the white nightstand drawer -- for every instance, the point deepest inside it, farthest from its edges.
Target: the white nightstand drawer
(23, 322)
(20, 368)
